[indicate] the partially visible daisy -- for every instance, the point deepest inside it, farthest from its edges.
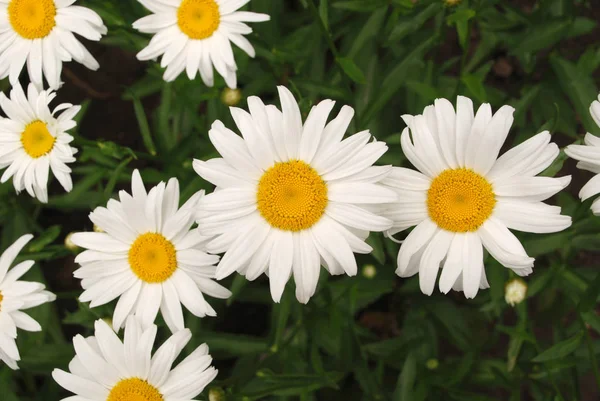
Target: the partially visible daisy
(464, 197)
(34, 140)
(148, 256)
(588, 156)
(39, 33)
(291, 196)
(108, 369)
(16, 296)
(195, 35)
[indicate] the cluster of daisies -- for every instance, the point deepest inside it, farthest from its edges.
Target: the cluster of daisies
(291, 196)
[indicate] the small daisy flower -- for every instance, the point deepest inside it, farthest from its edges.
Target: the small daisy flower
(195, 35)
(108, 369)
(291, 196)
(464, 197)
(16, 296)
(34, 140)
(148, 256)
(588, 156)
(40, 33)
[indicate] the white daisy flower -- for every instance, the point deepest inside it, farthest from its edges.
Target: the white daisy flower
(16, 296)
(194, 35)
(40, 33)
(108, 369)
(33, 140)
(291, 196)
(588, 156)
(465, 196)
(148, 256)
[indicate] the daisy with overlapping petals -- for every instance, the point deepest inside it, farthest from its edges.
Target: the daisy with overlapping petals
(464, 197)
(588, 156)
(108, 369)
(40, 33)
(34, 140)
(195, 35)
(291, 196)
(16, 296)
(148, 256)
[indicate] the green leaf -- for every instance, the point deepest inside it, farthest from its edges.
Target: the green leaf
(370, 30)
(140, 115)
(461, 20)
(474, 84)
(560, 350)
(232, 344)
(351, 70)
(580, 89)
(324, 12)
(406, 380)
(413, 22)
(46, 238)
(590, 296)
(46, 357)
(269, 383)
(360, 5)
(542, 36)
(110, 186)
(395, 79)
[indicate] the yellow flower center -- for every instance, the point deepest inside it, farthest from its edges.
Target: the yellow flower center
(152, 258)
(37, 140)
(291, 196)
(134, 389)
(1, 298)
(32, 19)
(198, 19)
(460, 200)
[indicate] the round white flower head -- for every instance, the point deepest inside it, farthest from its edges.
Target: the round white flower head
(515, 291)
(148, 256)
(464, 195)
(33, 140)
(588, 156)
(106, 369)
(291, 196)
(15, 296)
(194, 35)
(40, 33)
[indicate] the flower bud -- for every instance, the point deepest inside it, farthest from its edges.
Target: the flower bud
(369, 271)
(515, 291)
(231, 97)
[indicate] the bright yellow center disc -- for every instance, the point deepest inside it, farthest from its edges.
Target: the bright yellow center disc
(1, 298)
(460, 200)
(32, 19)
(134, 389)
(152, 258)
(37, 140)
(291, 196)
(198, 19)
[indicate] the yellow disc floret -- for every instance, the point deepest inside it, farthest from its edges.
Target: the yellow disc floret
(460, 200)
(152, 258)
(36, 139)
(32, 19)
(1, 298)
(134, 389)
(198, 19)
(291, 196)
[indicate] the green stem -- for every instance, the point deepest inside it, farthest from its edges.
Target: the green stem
(590, 346)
